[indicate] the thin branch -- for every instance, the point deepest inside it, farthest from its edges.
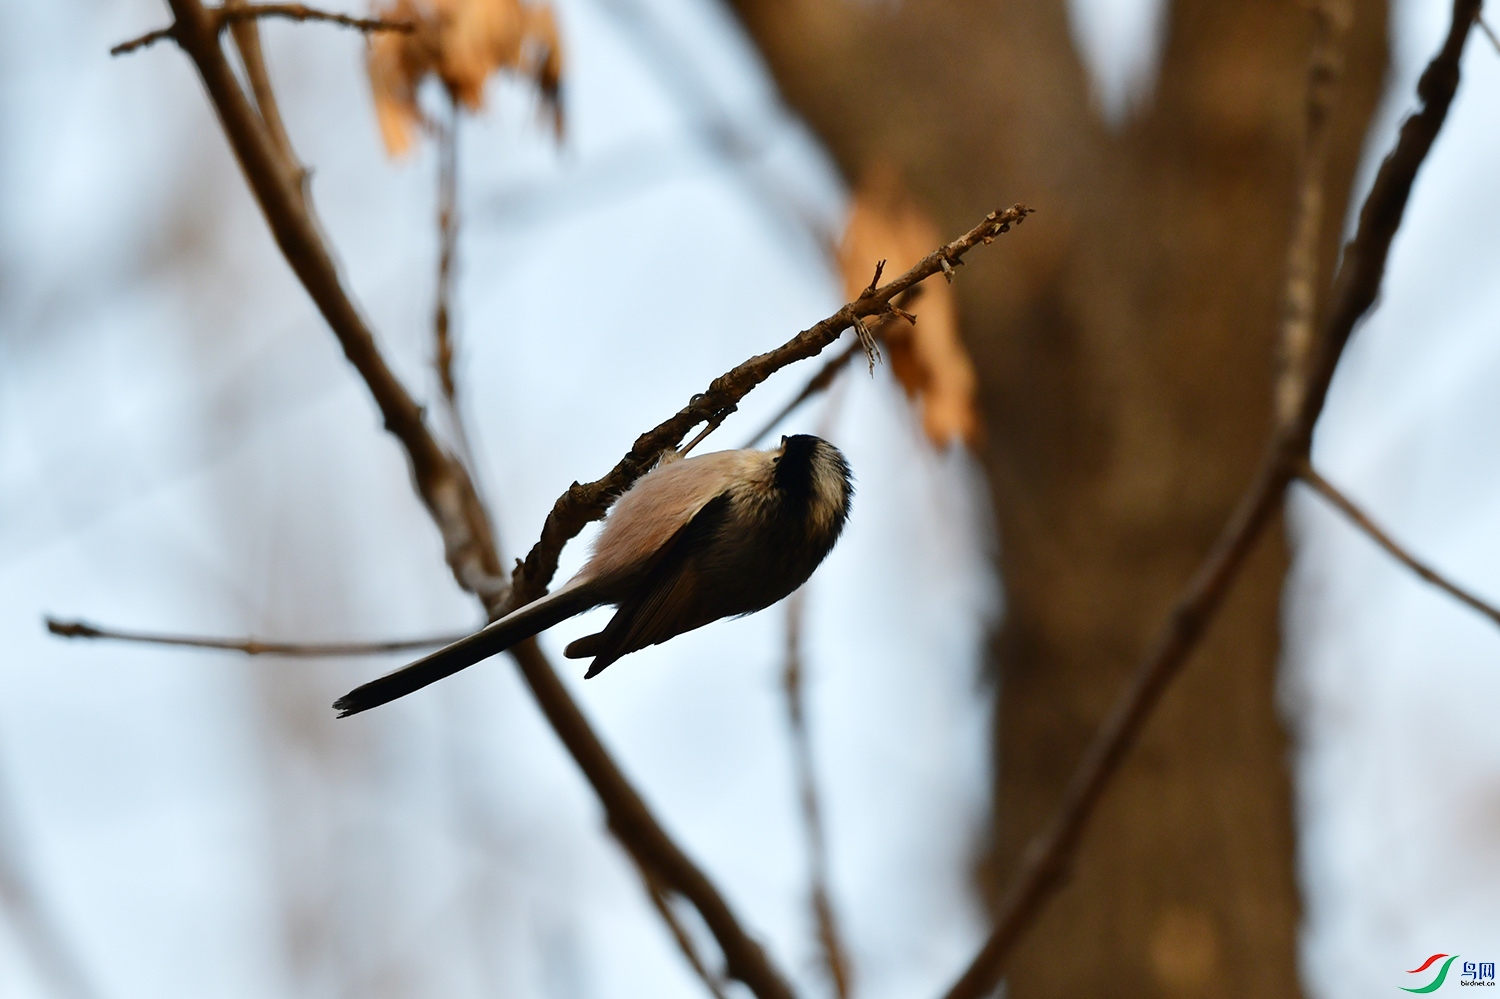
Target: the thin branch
(1046, 860)
(641, 834)
(582, 504)
(302, 12)
(442, 319)
(451, 499)
(830, 370)
(1331, 20)
(246, 34)
(817, 383)
(1489, 32)
(675, 63)
(830, 940)
(447, 222)
(249, 646)
(662, 902)
(1362, 520)
(143, 41)
(1362, 267)
(231, 13)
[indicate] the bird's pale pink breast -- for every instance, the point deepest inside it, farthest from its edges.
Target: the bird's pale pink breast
(662, 501)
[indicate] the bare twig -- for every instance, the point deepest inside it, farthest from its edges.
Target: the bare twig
(640, 833)
(231, 13)
(1362, 268)
(442, 320)
(1489, 32)
(1045, 862)
(835, 955)
(817, 383)
(1046, 859)
(830, 370)
(1331, 20)
(249, 646)
(246, 34)
(302, 12)
(447, 220)
(582, 504)
(675, 61)
(662, 901)
(1362, 520)
(142, 41)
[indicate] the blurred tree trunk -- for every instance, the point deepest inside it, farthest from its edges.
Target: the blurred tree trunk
(1125, 338)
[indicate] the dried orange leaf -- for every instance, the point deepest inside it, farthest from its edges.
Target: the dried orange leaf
(396, 64)
(462, 43)
(928, 359)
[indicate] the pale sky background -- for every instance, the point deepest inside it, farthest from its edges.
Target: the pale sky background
(182, 447)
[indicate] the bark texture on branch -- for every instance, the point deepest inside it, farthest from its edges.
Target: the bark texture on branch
(1126, 351)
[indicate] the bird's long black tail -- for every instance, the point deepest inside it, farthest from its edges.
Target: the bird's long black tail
(495, 637)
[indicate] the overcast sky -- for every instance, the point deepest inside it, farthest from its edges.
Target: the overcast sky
(182, 447)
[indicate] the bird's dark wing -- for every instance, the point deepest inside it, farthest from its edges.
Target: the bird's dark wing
(668, 601)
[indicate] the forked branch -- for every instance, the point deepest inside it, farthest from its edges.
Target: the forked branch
(1362, 520)
(835, 954)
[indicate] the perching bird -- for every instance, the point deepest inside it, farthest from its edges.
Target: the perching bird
(694, 540)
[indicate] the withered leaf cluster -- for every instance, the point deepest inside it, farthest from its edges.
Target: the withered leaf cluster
(928, 359)
(461, 43)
